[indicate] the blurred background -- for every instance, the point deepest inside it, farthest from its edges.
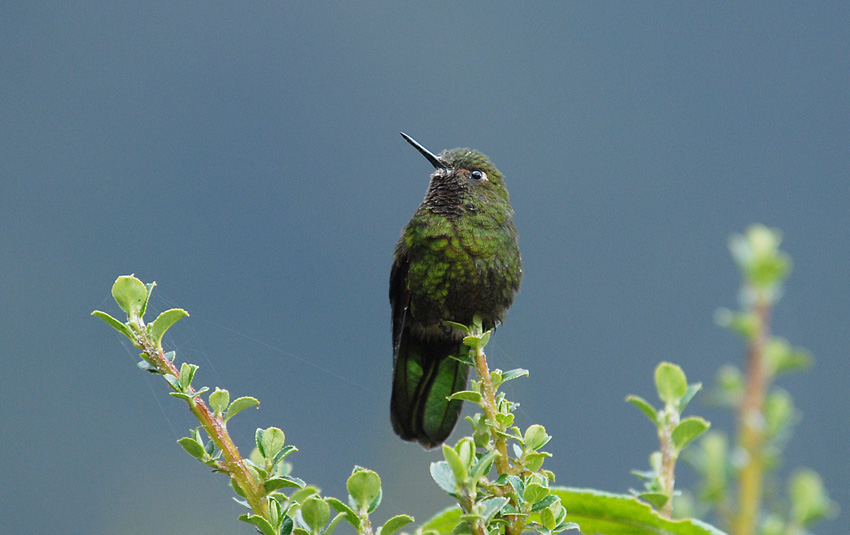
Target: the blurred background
(247, 158)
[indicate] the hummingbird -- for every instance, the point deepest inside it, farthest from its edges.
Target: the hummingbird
(457, 258)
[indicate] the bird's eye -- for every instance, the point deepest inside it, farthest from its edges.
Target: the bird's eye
(478, 175)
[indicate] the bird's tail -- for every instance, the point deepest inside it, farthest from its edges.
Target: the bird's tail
(424, 375)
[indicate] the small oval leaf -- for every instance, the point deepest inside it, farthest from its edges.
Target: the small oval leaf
(670, 382)
(240, 404)
(644, 406)
(687, 430)
(130, 293)
(163, 322)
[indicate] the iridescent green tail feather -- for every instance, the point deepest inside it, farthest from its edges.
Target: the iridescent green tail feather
(424, 375)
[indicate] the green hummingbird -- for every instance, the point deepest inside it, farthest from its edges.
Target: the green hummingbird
(458, 257)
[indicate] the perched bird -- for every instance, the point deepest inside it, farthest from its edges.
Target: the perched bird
(457, 257)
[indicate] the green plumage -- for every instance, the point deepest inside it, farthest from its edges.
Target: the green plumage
(457, 257)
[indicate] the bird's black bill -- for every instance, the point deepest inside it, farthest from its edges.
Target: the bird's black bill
(436, 162)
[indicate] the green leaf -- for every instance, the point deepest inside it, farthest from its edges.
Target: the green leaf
(657, 499)
(219, 400)
(149, 287)
(687, 430)
(782, 358)
(173, 381)
(491, 506)
(394, 524)
(644, 406)
(286, 450)
(443, 476)
(284, 482)
(477, 343)
(115, 324)
(689, 395)
(779, 412)
(146, 366)
(670, 382)
(163, 322)
(286, 526)
(457, 466)
(192, 447)
(304, 493)
(240, 404)
(347, 512)
(545, 502)
(729, 387)
(510, 375)
(535, 437)
(364, 487)
(130, 294)
(513, 481)
(466, 395)
(315, 512)
(744, 324)
(334, 523)
(261, 523)
(534, 492)
(482, 467)
(618, 514)
(533, 461)
(187, 373)
(273, 440)
(809, 499)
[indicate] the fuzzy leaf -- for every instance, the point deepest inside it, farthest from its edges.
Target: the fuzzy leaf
(482, 467)
(443, 476)
(192, 447)
(689, 395)
(394, 524)
(364, 486)
(115, 324)
(545, 502)
(687, 430)
(315, 512)
(534, 492)
(347, 512)
(535, 437)
(276, 483)
(467, 395)
(618, 514)
(219, 400)
(261, 523)
(130, 294)
(273, 440)
(163, 322)
(490, 507)
(240, 404)
(457, 466)
(644, 406)
(510, 375)
(670, 382)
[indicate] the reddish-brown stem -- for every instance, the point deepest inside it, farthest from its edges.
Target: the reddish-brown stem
(488, 395)
(232, 462)
(751, 427)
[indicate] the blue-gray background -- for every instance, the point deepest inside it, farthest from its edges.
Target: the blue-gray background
(247, 158)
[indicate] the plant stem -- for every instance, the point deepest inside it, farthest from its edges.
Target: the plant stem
(668, 459)
(751, 426)
(232, 462)
(488, 395)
